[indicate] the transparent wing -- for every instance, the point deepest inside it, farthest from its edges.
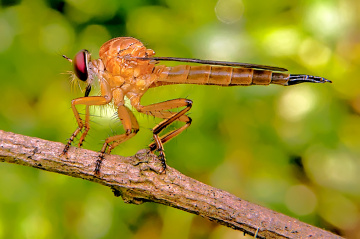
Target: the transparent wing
(210, 62)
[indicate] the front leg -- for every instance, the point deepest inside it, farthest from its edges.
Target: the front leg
(86, 126)
(88, 101)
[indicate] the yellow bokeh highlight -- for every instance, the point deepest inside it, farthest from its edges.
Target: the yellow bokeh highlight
(301, 200)
(35, 226)
(327, 18)
(90, 224)
(296, 103)
(7, 34)
(313, 53)
(339, 170)
(282, 42)
(105, 9)
(229, 11)
(339, 210)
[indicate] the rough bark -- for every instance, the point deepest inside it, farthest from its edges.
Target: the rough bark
(137, 180)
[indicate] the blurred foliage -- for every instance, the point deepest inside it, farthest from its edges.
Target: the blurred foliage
(293, 149)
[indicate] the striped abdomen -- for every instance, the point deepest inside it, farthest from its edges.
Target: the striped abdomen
(218, 75)
(227, 76)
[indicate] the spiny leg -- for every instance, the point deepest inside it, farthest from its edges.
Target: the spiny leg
(131, 127)
(71, 139)
(165, 138)
(92, 100)
(78, 129)
(86, 126)
(161, 110)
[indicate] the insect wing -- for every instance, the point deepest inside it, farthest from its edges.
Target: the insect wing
(210, 62)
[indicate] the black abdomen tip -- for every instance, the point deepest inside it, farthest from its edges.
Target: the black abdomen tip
(297, 79)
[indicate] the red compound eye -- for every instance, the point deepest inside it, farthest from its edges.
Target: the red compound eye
(81, 65)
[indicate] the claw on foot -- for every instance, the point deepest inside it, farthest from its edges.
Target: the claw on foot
(65, 150)
(161, 157)
(98, 164)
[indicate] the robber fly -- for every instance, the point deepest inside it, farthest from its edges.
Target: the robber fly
(126, 68)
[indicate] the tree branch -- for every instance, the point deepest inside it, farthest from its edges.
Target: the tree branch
(137, 179)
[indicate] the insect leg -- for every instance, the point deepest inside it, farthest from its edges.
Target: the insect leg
(161, 110)
(131, 127)
(92, 100)
(87, 126)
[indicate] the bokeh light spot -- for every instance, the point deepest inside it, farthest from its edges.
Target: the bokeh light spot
(104, 10)
(325, 18)
(337, 170)
(229, 11)
(221, 44)
(55, 37)
(30, 226)
(91, 225)
(300, 200)
(296, 102)
(341, 169)
(92, 37)
(282, 42)
(339, 211)
(314, 54)
(6, 36)
(350, 131)
(149, 22)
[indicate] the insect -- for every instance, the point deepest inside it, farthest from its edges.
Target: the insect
(126, 68)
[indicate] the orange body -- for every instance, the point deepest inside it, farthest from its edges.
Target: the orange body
(123, 69)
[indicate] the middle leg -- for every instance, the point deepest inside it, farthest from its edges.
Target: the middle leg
(162, 110)
(131, 127)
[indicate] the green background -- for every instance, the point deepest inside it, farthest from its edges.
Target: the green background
(293, 149)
